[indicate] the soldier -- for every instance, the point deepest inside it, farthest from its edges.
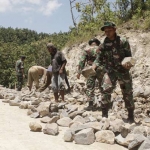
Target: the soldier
(109, 56)
(58, 62)
(87, 58)
(20, 72)
(34, 73)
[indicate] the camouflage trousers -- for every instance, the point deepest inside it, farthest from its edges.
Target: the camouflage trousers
(109, 83)
(91, 84)
(19, 82)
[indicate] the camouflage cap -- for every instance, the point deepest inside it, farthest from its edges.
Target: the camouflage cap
(50, 45)
(94, 40)
(108, 24)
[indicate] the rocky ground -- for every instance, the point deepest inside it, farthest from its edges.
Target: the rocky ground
(67, 123)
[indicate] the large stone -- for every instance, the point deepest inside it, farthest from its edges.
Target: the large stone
(116, 125)
(124, 141)
(43, 109)
(104, 123)
(145, 145)
(23, 105)
(97, 126)
(68, 136)
(35, 101)
(1, 96)
(85, 137)
(125, 129)
(105, 136)
(78, 119)
(77, 126)
(88, 71)
(64, 121)
(54, 119)
(137, 141)
(130, 60)
(34, 126)
(51, 129)
(45, 119)
(140, 130)
(75, 113)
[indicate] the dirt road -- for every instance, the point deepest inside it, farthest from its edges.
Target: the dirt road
(16, 135)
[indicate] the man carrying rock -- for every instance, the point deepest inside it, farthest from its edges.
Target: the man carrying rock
(109, 56)
(34, 73)
(20, 72)
(87, 58)
(58, 62)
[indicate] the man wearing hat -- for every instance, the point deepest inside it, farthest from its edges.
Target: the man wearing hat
(20, 72)
(87, 58)
(58, 62)
(109, 56)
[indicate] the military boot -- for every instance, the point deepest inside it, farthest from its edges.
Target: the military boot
(105, 112)
(89, 107)
(130, 116)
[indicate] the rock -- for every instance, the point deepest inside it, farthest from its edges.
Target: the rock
(95, 125)
(51, 129)
(124, 141)
(64, 121)
(145, 145)
(14, 103)
(43, 109)
(23, 105)
(105, 123)
(5, 100)
(54, 119)
(105, 136)
(130, 60)
(35, 101)
(73, 109)
(125, 129)
(85, 137)
(147, 91)
(68, 136)
(88, 71)
(61, 105)
(34, 126)
(78, 119)
(77, 126)
(1, 96)
(137, 141)
(53, 107)
(116, 125)
(140, 130)
(92, 119)
(45, 119)
(35, 115)
(75, 113)
(147, 120)
(64, 113)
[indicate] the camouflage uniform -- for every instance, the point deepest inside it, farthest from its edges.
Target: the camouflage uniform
(19, 66)
(88, 56)
(109, 57)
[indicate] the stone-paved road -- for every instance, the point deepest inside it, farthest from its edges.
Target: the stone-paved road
(16, 135)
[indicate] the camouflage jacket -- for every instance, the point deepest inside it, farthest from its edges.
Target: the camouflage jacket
(19, 66)
(111, 53)
(87, 57)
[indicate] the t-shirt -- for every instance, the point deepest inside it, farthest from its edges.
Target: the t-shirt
(57, 61)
